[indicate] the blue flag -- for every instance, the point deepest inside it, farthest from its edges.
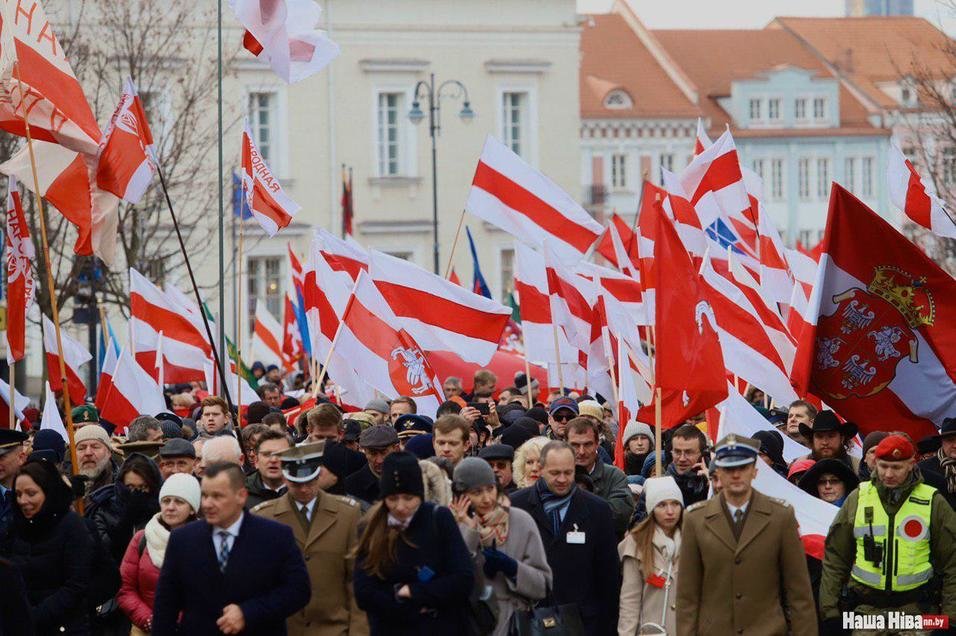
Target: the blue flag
(478, 285)
(239, 207)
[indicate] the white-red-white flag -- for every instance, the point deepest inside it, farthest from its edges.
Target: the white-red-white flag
(76, 356)
(20, 402)
(268, 202)
(284, 34)
(37, 82)
(50, 419)
(439, 315)
(125, 165)
(522, 201)
(387, 356)
(915, 197)
(266, 337)
(134, 392)
(20, 283)
(107, 370)
(185, 345)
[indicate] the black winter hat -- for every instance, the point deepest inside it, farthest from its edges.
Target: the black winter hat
(401, 475)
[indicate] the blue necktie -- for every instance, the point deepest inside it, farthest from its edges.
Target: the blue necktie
(223, 550)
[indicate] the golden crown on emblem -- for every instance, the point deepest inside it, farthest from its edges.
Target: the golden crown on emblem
(909, 296)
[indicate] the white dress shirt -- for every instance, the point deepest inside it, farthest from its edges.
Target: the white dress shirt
(309, 508)
(232, 531)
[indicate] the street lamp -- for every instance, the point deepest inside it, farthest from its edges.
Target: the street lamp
(427, 89)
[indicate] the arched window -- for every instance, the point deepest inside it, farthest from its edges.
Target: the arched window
(618, 100)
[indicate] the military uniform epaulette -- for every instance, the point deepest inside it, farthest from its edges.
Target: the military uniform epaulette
(782, 502)
(263, 505)
(346, 499)
(696, 506)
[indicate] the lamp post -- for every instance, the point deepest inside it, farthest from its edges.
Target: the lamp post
(427, 89)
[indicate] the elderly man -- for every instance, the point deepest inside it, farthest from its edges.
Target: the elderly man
(742, 565)
(452, 387)
(577, 530)
(222, 449)
(378, 409)
(325, 528)
(12, 456)
(266, 483)
(176, 456)
(270, 394)
(94, 456)
(144, 428)
(377, 443)
(892, 543)
(400, 406)
(501, 459)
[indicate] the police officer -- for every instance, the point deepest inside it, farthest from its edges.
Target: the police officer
(12, 456)
(742, 568)
(325, 527)
(893, 544)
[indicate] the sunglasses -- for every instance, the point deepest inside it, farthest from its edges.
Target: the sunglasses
(562, 418)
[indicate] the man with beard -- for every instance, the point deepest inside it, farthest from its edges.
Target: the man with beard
(828, 438)
(94, 456)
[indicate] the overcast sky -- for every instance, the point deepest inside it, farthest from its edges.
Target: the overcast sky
(750, 14)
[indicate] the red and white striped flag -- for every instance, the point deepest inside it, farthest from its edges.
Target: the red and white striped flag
(915, 197)
(185, 345)
(619, 246)
(20, 283)
(125, 165)
(345, 256)
(292, 348)
(383, 353)
(439, 315)
(268, 202)
(283, 33)
(134, 392)
(75, 357)
(20, 402)
(512, 195)
(50, 418)
(51, 97)
(702, 142)
(107, 371)
(266, 337)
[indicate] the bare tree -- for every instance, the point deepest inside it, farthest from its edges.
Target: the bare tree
(169, 49)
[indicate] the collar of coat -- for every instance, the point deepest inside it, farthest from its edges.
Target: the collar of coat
(759, 512)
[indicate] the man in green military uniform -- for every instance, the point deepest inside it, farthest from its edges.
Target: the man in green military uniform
(893, 544)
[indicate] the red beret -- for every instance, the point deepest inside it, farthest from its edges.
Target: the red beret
(895, 448)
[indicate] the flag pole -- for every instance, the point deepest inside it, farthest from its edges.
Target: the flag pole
(527, 370)
(658, 446)
(239, 337)
(51, 286)
(192, 279)
(222, 251)
(13, 395)
(316, 385)
(454, 245)
(557, 355)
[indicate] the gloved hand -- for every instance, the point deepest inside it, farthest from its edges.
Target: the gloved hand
(497, 561)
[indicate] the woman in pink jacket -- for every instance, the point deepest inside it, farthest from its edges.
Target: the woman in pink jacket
(179, 501)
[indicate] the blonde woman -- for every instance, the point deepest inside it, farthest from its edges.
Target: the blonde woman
(527, 468)
(649, 563)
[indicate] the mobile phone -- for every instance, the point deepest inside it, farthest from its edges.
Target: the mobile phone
(481, 406)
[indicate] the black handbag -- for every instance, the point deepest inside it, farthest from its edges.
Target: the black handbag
(548, 620)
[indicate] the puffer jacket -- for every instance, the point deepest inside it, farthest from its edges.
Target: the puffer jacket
(117, 512)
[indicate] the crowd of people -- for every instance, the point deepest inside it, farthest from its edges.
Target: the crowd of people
(505, 514)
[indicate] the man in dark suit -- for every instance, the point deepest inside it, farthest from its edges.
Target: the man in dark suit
(231, 572)
(577, 530)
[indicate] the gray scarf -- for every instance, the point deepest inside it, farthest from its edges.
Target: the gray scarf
(949, 470)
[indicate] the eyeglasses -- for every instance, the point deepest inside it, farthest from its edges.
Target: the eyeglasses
(830, 482)
(562, 418)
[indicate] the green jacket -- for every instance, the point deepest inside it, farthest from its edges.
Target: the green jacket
(841, 548)
(610, 484)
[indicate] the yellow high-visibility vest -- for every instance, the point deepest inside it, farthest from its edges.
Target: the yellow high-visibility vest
(904, 538)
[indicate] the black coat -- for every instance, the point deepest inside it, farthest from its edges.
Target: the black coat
(54, 561)
(265, 576)
(433, 542)
(935, 476)
(363, 484)
(587, 574)
(15, 619)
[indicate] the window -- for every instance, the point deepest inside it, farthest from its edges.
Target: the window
(755, 109)
(390, 114)
(262, 120)
(757, 166)
(773, 109)
(667, 161)
(514, 121)
(265, 282)
(809, 237)
(819, 108)
(823, 179)
(507, 272)
(618, 100)
(776, 179)
(618, 171)
(866, 177)
(800, 108)
(803, 178)
(949, 166)
(849, 174)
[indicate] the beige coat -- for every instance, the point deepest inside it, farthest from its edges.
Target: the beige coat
(730, 587)
(642, 602)
(332, 537)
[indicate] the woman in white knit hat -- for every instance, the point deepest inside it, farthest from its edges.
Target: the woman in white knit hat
(649, 563)
(179, 500)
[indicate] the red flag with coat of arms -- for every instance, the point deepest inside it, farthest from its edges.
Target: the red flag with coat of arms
(383, 353)
(880, 344)
(20, 283)
(270, 205)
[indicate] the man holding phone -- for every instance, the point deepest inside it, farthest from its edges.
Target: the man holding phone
(689, 463)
